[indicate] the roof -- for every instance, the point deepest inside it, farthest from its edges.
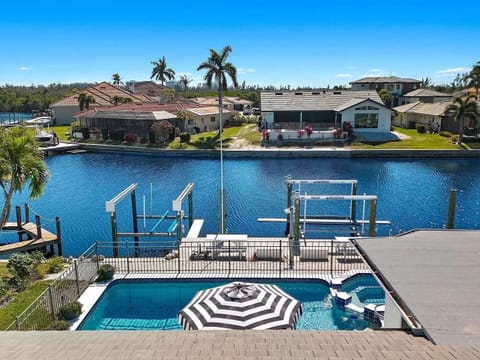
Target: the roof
(171, 107)
(354, 102)
(434, 274)
(149, 88)
(385, 79)
(226, 100)
(419, 107)
(103, 93)
(313, 101)
(426, 93)
(205, 111)
(107, 113)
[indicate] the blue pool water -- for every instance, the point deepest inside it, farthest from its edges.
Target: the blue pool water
(364, 289)
(151, 305)
(411, 193)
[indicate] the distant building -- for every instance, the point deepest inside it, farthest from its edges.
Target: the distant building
(103, 93)
(432, 115)
(424, 95)
(231, 103)
(395, 85)
(322, 110)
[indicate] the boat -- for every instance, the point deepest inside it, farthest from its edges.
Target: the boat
(39, 121)
(45, 138)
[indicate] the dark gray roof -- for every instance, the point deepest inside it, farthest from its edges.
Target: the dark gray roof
(385, 79)
(313, 101)
(435, 274)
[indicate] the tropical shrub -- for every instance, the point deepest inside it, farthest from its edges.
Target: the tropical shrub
(105, 272)
(446, 134)
(59, 325)
(70, 310)
(24, 267)
(131, 138)
(185, 137)
(421, 129)
(55, 265)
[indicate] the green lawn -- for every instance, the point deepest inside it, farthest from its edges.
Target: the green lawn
(207, 140)
(20, 303)
(415, 141)
(4, 270)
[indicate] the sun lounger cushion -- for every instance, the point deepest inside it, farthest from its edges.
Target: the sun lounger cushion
(268, 253)
(313, 253)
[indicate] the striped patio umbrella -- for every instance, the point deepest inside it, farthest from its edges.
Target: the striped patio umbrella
(240, 306)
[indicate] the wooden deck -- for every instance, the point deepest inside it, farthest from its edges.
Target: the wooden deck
(34, 242)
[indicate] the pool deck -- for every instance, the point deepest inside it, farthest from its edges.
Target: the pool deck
(334, 345)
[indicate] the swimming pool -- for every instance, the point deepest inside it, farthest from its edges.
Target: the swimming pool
(153, 305)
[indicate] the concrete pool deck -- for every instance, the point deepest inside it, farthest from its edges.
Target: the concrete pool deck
(334, 345)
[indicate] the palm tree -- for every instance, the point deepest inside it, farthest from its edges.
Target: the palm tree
(217, 69)
(85, 100)
(463, 108)
(473, 77)
(426, 83)
(21, 163)
(117, 81)
(161, 72)
(185, 80)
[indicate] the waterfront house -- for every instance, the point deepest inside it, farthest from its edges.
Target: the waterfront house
(232, 103)
(424, 95)
(395, 85)
(103, 93)
(324, 110)
(432, 115)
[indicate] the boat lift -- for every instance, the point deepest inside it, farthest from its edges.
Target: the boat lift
(174, 230)
(333, 224)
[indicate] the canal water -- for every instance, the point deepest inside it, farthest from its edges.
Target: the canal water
(412, 193)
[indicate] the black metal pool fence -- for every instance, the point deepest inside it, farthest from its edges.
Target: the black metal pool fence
(325, 259)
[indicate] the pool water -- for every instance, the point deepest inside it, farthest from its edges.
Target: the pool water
(153, 305)
(364, 289)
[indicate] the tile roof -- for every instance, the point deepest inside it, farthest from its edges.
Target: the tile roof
(419, 107)
(172, 107)
(354, 102)
(204, 111)
(313, 101)
(426, 93)
(106, 113)
(226, 100)
(384, 79)
(102, 93)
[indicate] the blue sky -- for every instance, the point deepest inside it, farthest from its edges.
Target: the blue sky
(301, 43)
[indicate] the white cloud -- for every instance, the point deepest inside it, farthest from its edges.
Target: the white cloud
(344, 75)
(23, 68)
(378, 72)
(243, 71)
(452, 71)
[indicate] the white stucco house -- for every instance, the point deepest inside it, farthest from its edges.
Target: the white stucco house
(324, 110)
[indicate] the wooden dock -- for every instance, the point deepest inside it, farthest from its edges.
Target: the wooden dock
(34, 241)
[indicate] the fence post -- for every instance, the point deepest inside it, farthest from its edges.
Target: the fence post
(50, 298)
(229, 259)
(17, 323)
(128, 255)
(96, 255)
(18, 214)
(76, 277)
(178, 257)
(331, 257)
(281, 258)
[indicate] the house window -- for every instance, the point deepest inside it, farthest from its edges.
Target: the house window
(212, 119)
(366, 121)
(190, 122)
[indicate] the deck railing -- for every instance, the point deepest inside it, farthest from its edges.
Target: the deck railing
(200, 258)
